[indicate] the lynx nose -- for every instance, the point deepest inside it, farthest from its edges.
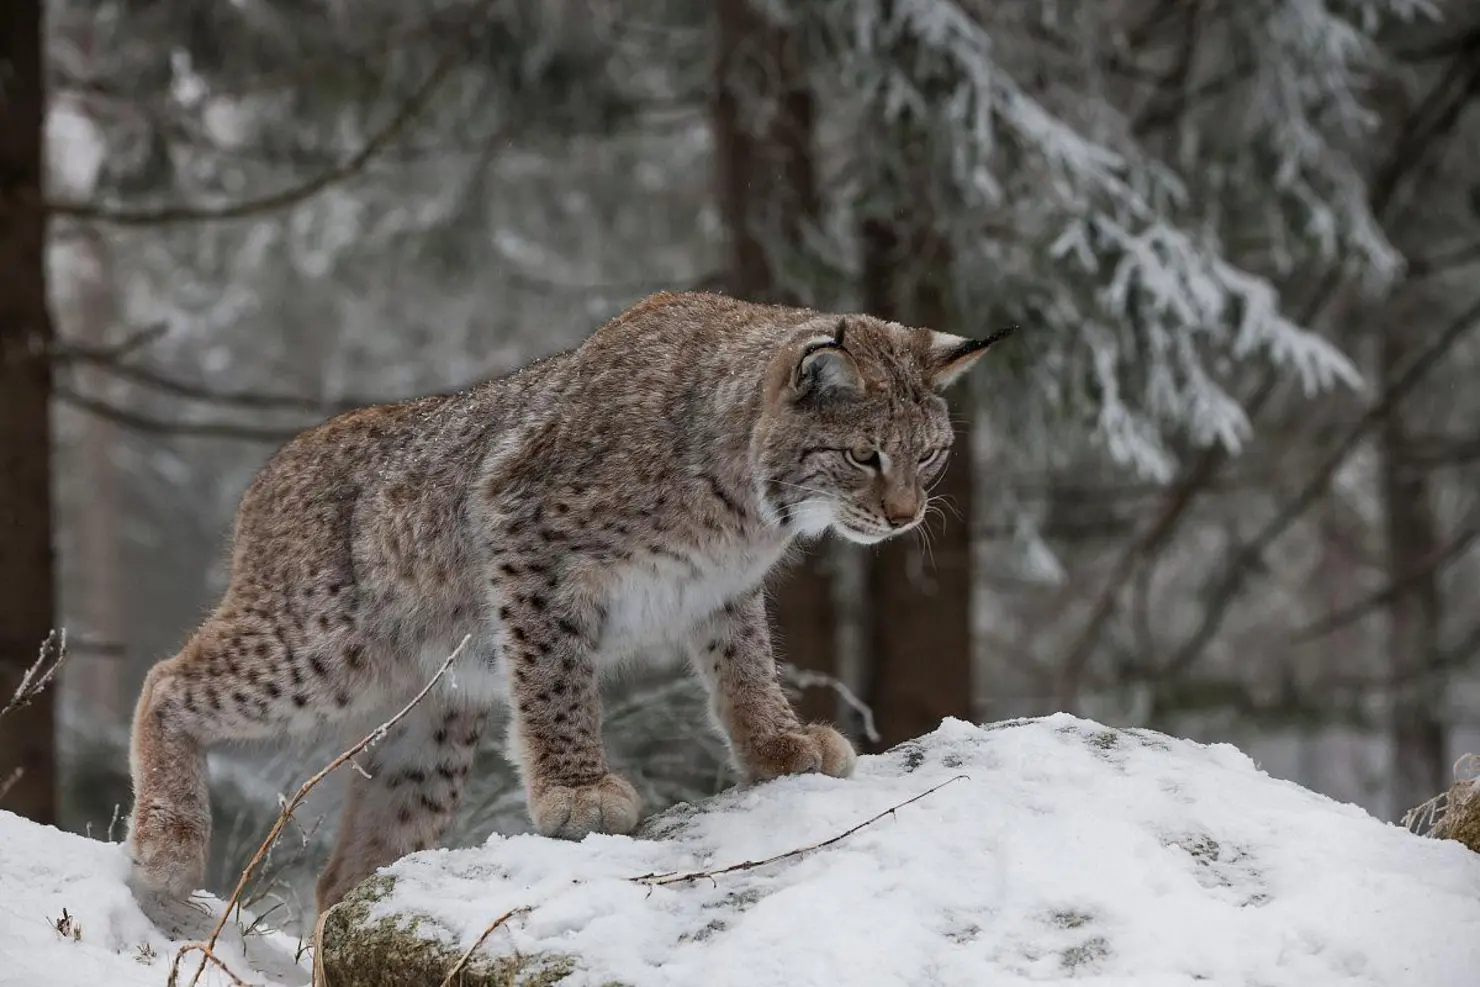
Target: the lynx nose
(900, 510)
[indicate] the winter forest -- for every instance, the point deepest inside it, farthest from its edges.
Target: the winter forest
(1224, 483)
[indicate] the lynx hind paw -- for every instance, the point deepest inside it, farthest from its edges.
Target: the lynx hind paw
(610, 805)
(814, 748)
(167, 856)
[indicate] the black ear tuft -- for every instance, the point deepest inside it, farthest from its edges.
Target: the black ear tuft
(952, 356)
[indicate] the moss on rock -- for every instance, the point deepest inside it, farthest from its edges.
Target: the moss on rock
(409, 950)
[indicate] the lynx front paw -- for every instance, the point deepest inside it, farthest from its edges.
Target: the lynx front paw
(610, 805)
(813, 748)
(168, 852)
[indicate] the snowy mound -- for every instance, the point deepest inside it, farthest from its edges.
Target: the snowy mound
(68, 920)
(1060, 851)
(1046, 850)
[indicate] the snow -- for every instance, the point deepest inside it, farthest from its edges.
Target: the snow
(44, 871)
(75, 148)
(1053, 850)
(1064, 851)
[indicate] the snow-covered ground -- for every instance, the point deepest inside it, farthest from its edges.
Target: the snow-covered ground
(68, 920)
(1060, 851)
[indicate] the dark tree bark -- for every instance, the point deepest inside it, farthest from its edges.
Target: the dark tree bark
(767, 186)
(1420, 768)
(27, 735)
(919, 601)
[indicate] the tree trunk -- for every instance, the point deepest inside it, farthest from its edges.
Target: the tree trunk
(89, 567)
(1420, 768)
(919, 597)
(27, 735)
(767, 186)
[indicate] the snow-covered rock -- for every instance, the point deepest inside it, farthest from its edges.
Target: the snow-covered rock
(1054, 850)
(1047, 850)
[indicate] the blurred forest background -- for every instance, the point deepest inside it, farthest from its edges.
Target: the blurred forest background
(1225, 482)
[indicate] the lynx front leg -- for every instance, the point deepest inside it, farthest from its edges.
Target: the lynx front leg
(555, 731)
(735, 660)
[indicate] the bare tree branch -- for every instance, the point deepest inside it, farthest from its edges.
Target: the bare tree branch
(1179, 500)
(1248, 557)
(104, 359)
(1350, 614)
(158, 426)
(1443, 261)
(287, 197)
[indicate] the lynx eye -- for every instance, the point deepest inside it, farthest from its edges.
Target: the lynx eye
(864, 459)
(932, 457)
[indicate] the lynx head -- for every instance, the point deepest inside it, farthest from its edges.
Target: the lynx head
(855, 430)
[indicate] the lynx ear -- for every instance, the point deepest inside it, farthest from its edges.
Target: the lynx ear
(825, 367)
(951, 356)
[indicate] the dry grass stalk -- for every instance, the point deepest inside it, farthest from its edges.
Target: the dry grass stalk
(1455, 814)
(1460, 819)
(462, 960)
(206, 948)
(319, 978)
(8, 782)
(207, 956)
(41, 673)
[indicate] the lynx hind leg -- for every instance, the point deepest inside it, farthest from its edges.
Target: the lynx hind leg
(169, 828)
(234, 680)
(416, 780)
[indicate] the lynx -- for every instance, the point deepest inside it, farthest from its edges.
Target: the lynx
(631, 493)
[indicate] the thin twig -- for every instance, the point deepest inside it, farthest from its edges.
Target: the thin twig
(41, 673)
(658, 880)
(9, 782)
(806, 678)
(290, 805)
(207, 956)
(462, 960)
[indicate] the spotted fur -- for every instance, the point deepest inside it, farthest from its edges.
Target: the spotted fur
(632, 492)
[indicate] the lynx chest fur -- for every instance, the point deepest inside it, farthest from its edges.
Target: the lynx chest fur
(659, 601)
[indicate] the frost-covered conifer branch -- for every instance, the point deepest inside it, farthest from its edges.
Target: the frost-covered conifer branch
(1123, 247)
